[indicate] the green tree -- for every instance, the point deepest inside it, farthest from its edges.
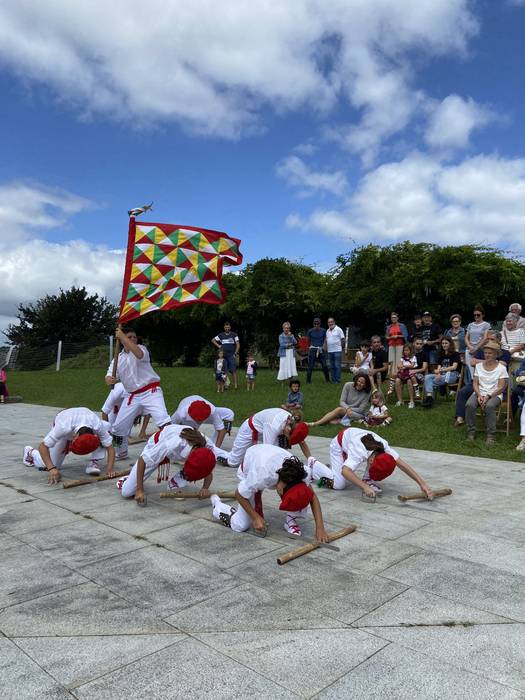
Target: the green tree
(71, 315)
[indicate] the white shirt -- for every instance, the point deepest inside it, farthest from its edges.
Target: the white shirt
(68, 422)
(169, 444)
(511, 339)
(182, 417)
(409, 362)
(378, 411)
(132, 372)
(333, 339)
(366, 359)
(115, 398)
(355, 450)
(259, 469)
(270, 424)
(488, 380)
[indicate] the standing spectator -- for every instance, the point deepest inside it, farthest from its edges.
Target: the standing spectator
(286, 353)
(220, 374)
(475, 336)
(3, 384)
(490, 379)
(251, 372)
(515, 308)
(417, 329)
(396, 336)
(447, 371)
(431, 337)
(228, 342)
(456, 333)
(379, 368)
(335, 343)
(513, 339)
(317, 337)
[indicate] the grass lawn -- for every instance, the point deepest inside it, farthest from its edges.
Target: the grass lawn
(418, 428)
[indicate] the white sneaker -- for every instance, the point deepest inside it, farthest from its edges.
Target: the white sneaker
(291, 526)
(411, 404)
(215, 500)
(120, 482)
(27, 459)
(92, 468)
(520, 447)
(399, 403)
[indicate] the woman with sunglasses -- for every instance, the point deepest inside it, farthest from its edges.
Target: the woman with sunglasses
(475, 336)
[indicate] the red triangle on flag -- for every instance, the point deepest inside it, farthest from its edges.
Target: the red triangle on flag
(191, 287)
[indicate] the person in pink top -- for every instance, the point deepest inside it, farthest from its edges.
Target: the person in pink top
(3, 384)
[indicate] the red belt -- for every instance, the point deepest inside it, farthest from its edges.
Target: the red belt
(255, 434)
(153, 386)
(258, 504)
(340, 441)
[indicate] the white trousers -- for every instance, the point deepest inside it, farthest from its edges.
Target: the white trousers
(240, 520)
(243, 440)
(149, 402)
(336, 464)
(57, 454)
(522, 424)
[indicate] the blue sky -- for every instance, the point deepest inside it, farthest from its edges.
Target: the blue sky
(302, 128)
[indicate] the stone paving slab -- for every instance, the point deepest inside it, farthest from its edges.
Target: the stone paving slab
(101, 599)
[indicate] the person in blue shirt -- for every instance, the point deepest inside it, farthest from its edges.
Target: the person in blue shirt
(316, 351)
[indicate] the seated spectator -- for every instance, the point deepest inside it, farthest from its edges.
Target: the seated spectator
(517, 400)
(363, 359)
(490, 380)
(353, 404)
(377, 413)
(475, 337)
(295, 397)
(417, 329)
(431, 337)
(407, 363)
(416, 375)
(456, 333)
(3, 384)
(379, 367)
(447, 371)
(515, 308)
(513, 339)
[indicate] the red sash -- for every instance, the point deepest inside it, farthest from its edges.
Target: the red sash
(153, 386)
(255, 434)
(340, 441)
(258, 504)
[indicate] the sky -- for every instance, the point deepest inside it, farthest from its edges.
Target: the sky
(304, 128)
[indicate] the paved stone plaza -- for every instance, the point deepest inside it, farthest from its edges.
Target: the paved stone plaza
(102, 599)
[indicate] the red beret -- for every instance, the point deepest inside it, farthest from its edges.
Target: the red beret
(199, 464)
(299, 433)
(382, 466)
(199, 411)
(296, 497)
(84, 444)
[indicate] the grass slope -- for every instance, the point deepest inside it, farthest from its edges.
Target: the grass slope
(418, 428)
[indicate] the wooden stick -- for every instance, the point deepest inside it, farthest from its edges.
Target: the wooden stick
(103, 477)
(307, 548)
(194, 494)
(115, 358)
(420, 495)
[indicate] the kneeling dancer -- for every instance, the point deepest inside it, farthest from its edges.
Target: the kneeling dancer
(266, 467)
(349, 449)
(76, 430)
(273, 426)
(195, 410)
(171, 444)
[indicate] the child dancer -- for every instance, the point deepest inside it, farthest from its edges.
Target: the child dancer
(142, 384)
(363, 358)
(195, 410)
(270, 467)
(295, 396)
(170, 444)
(76, 430)
(349, 449)
(220, 371)
(378, 413)
(251, 372)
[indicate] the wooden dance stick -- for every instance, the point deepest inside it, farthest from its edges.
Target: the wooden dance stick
(420, 495)
(307, 548)
(194, 494)
(103, 477)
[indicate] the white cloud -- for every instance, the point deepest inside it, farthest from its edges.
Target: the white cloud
(479, 200)
(453, 120)
(297, 173)
(212, 67)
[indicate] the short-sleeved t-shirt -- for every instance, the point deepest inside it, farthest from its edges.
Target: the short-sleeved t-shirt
(449, 360)
(510, 339)
(431, 332)
(68, 422)
(395, 329)
(182, 417)
(134, 373)
(168, 443)
(259, 469)
(295, 398)
(476, 331)
(354, 449)
(333, 339)
(316, 337)
(420, 359)
(379, 357)
(488, 380)
(228, 342)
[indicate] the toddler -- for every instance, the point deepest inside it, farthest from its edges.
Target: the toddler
(363, 358)
(251, 372)
(220, 371)
(295, 396)
(378, 412)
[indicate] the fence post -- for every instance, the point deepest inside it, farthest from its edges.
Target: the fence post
(110, 349)
(10, 350)
(59, 355)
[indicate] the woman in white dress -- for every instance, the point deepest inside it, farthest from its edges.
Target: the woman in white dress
(286, 354)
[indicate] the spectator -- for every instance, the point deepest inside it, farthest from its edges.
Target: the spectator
(518, 400)
(220, 374)
(379, 366)
(418, 374)
(353, 404)
(515, 308)
(396, 336)
(228, 342)
(513, 338)
(251, 372)
(317, 337)
(456, 333)
(3, 384)
(475, 336)
(335, 343)
(286, 353)
(447, 371)
(363, 359)
(490, 379)
(295, 397)
(378, 413)
(431, 334)
(405, 373)
(417, 329)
